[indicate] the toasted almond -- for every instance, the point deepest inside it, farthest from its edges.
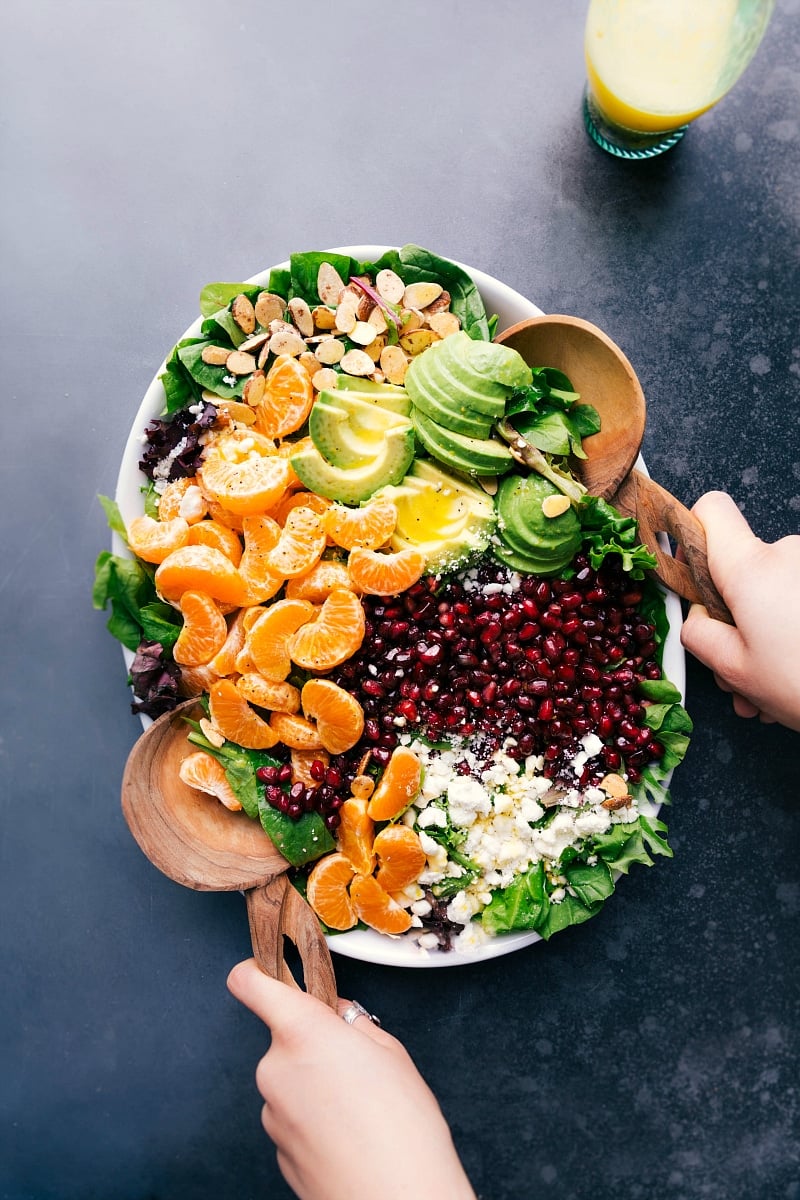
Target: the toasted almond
(377, 319)
(215, 356)
(325, 378)
(377, 377)
(239, 362)
(243, 313)
(420, 295)
(324, 318)
(375, 347)
(417, 341)
(443, 323)
(410, 320)
(255, 342)
(281, 326)
(614, 785)
(394, 364)
(362, 333)
(330, 284)
(310, 362)
(329, 351)
(241, 413)
(389, 286)
(615, 802)
(211, 733)
(554, 506)
(440, 304)
(287, 343)
(211, 397)
(269, 307)
(356, 362)
(253, 392)
(263, 355)
(346, 314)
(489, 484)
(301, 315)
(362, 301)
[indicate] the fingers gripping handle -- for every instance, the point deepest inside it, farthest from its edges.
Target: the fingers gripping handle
(657, 511)
(276, 911)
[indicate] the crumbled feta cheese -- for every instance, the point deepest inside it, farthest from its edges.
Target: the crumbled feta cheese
(432, 815)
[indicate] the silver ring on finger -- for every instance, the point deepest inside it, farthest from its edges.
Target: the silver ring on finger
(356, 1010)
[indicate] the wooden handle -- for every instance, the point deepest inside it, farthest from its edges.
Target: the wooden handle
(659, 512)
(275, 911)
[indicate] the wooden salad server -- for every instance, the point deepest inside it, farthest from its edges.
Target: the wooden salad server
(604, 377)
(199, 843)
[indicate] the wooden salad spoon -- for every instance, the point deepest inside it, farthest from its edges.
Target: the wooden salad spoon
(604, 377)
(196, 841)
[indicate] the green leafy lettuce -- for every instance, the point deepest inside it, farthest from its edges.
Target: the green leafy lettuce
(606, 531)
(548, 415)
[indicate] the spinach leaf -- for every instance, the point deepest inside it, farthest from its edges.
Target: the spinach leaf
(206, 376)
(216, 296)
(304, 268)
(519, 906)
(298, 841)
(625, 844)
(591, 884)
(160, 623)
(570, 911)
(179, 387)
(280, 283)
(465, 299)
(127, 585)
(240, 767)
(113, 516)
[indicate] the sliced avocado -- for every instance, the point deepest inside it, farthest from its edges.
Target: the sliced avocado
(523, 526)
(455, 416)
(385, 395)
(454, 385)
(528, 565)
(347, 430)
(446, 518)
(476, 456)
(492, 360)
(353, 485)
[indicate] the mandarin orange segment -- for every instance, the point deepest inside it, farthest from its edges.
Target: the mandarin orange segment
(170, 500)
(203, 632)
(277, 697)
(300, 545)
(302, 762)
(376, 908)
(224, 662)
(401, 859)
(397, 787)
(248, 487)
(286, 450)
(261, 535)
(303, 499)
(318, 583)
(223, 516)
(221, 537)
(361, 528)
(385, 574)
(206, 774)
(333, 637)
(200, 569)
(236, 720)
(294, 731)
(153, 540)
(339, 716)
(193, 681)
(268, 639)
(288, 396)
(326, 891)
(355, 835)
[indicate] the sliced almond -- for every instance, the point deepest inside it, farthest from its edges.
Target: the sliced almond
(614, 785)
(443, 323)
(243, 313)
(362, 301)
(269, 307)
(410, 320)
(420, 295)
(310, 362)
(362, 333)
(554, 506)
(255, 342)
(215, 356)
(394, 364)
(356, 362)
(211, 397)
(417, 341)
(287, 343)
(615, 802)
(441, 304)
(375, 347)
(489, 484)
(346, 314)
(329, 351)
(325, 379)
(253, 392)
(330, 284)
(389, 286)
(241, 413)
(263, 355)
(239, 362)
(324, 318)
(377, 377)
(281, 326)
(211, 733)
(377, 319)
(301, 315)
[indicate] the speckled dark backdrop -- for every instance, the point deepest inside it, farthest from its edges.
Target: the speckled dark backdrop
(149, 148)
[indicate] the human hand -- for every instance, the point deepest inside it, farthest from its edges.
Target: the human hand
(758, 659)
(349, 1113)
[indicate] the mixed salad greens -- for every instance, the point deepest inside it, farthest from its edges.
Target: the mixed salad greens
(524, 830)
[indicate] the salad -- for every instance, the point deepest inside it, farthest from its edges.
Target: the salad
(425, 659)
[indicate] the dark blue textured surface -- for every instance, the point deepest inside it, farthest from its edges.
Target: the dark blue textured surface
(148, 149)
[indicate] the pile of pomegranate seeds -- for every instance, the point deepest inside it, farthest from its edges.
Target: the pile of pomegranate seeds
(488, 656)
